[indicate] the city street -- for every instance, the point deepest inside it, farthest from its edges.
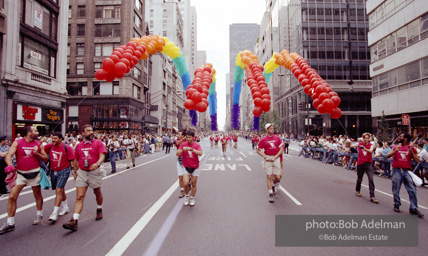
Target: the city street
(232, 216)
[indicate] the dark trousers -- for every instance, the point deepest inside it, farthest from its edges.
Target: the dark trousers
(168, 148)
(368, 169)
(286, 148)
(3, 175)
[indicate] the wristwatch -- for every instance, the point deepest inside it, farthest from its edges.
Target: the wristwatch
(98, 164)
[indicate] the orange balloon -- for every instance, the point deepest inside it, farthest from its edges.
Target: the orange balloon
(144, 56)
(162, 41)
(284, 52)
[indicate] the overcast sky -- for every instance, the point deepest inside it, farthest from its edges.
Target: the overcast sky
(214, 18)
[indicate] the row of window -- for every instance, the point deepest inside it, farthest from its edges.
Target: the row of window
(386, 10)
(80, 69)
(408, 76)
(333, 14)
(398, 40)
(80, 30)
(336, 33)
(40, 18)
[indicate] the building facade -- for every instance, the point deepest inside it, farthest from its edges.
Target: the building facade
(95, 29)
(398, 40)
(332, 36)
(33, 65)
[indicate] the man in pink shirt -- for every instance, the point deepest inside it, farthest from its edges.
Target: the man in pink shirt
(190, 152)
(403, 153)
(89, 154)
(272, 146)
(28, 154)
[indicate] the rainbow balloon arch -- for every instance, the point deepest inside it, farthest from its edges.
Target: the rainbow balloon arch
(325, 100)
(200, 93)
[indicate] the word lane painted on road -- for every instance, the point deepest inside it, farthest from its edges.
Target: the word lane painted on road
(222, 165)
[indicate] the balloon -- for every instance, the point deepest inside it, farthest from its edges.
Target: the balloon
(301, 77)
(333, 94)
(201, 107)
(307, 88)
(297, 72)
(204, 100)
(120, 68)
(119, 75)
(197, 97)
(144, 56)
(265, 96)
(257, 95)
(141, 48)
(328, 104)
(315, 84)
(336, 113)
(265, 91)
(134, 60)
(128, 56)
(305, 82)
(208, 69)
(204, 96)
(110, 77)
(314, 96)
(126, 61)
(115, 58)
(316, 103)
(108, 65)
(323, 96)
(257, 111)
(257, 102)
(137, 54)
(321, 109)
(189, 104)
(265, 103)
(320, 89)
(260, 78)
(101, 74)
(336, 100)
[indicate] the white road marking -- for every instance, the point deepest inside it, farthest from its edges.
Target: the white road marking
(231, 166)
(419, 206)
(123, 244)
(246, 166)
(219, 167)
(242, 154)
(290, 196)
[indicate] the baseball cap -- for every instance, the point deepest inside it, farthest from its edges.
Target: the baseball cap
(267, 126)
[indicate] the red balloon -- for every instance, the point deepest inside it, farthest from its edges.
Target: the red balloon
(329, 89)
(206, 84)
(315, 84)
(328, 104)
(336, 100)
(132, 43)
(265, 96)
(205, 91)
(197, 97)
(108, 65)
(320, 89)
(189, 104)
(307, 88)
(204, 96)
(208, 69)
(117, 53)
(257, 111)
(205, 101)
(126, 61)
(110, 77)
(264, 90)
(135, 60)
(314, 96)
(316, 103)
(301, 77)
(260, 78)
(137, 54)
(321, 109)
(257, 102)
(198, 87)
(333, 94)
(265, 104)
(305, 82)
(323, 96)
(129, 50)
(297, 72)
(115, 58)
(119, 75)
(141, 48)
(119, 49)
(336, 113)
(120, 68)
(128, 56)
(101, 74)
(201, 107)
(257, 95)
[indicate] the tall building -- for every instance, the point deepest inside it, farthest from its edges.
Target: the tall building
(95, 29)
(398, 40)
(242, 36)
(332, 36)
(33, 46)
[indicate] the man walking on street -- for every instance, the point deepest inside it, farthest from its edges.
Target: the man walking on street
(167, 144)
(273, 149)
(59, 156)
(131, 145)
(89, 155)
(365, 165)
(28, 154)
(113, 146)
(403, 153)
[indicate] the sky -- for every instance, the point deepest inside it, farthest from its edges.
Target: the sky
(214, 18)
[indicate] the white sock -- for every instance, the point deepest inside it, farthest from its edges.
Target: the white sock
(56, 208)
(99, 206)
(192, 197)
(64, 204)
(76, 216)
(270, 191)
(11, 220)
(182, 189)
(39, 213)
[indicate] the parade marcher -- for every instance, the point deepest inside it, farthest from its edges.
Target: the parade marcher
(403, 153)
(180, 168)
(235, 141)
(286, 144)
(29, 153)
(423, 158)
(113, 146)
(131, 145)
(211, 141)
(365, 165)
(273, 149)
(59, 156)
(223, 142)
(190, 151)
(3, 151)
(90, 154)
(216, 139)
(167, 144)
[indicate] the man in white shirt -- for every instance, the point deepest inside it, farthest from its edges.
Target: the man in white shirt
(423, 156)
(131, 145)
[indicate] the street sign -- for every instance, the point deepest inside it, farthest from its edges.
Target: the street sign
(405, 119)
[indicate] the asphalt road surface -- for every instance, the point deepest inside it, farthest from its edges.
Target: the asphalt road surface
(232, 216)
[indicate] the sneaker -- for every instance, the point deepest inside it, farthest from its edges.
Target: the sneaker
(357, 194)
(274, 189)
(271, 198)
(53, 217)
(186, 200)
(182, 194)
(192, 201)
(37, 220)
(396, 209)
(7, 228)
(64, 211)
(133, 165)
(72, 225)
(416, 212)
(113, 171)
(99, 214)
(374, 200)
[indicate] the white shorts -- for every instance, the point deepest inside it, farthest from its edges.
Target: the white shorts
(272, 168)
(21, 180)
(194, 173)
(180, 169)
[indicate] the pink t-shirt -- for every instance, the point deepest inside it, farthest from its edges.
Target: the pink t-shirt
(235, 139)
(59, 158)
(271, 145)
(25, 158)
(402, 158)
(90, 151)
(223, 140)
(190, 159)
(364, 156)
(211, 138)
